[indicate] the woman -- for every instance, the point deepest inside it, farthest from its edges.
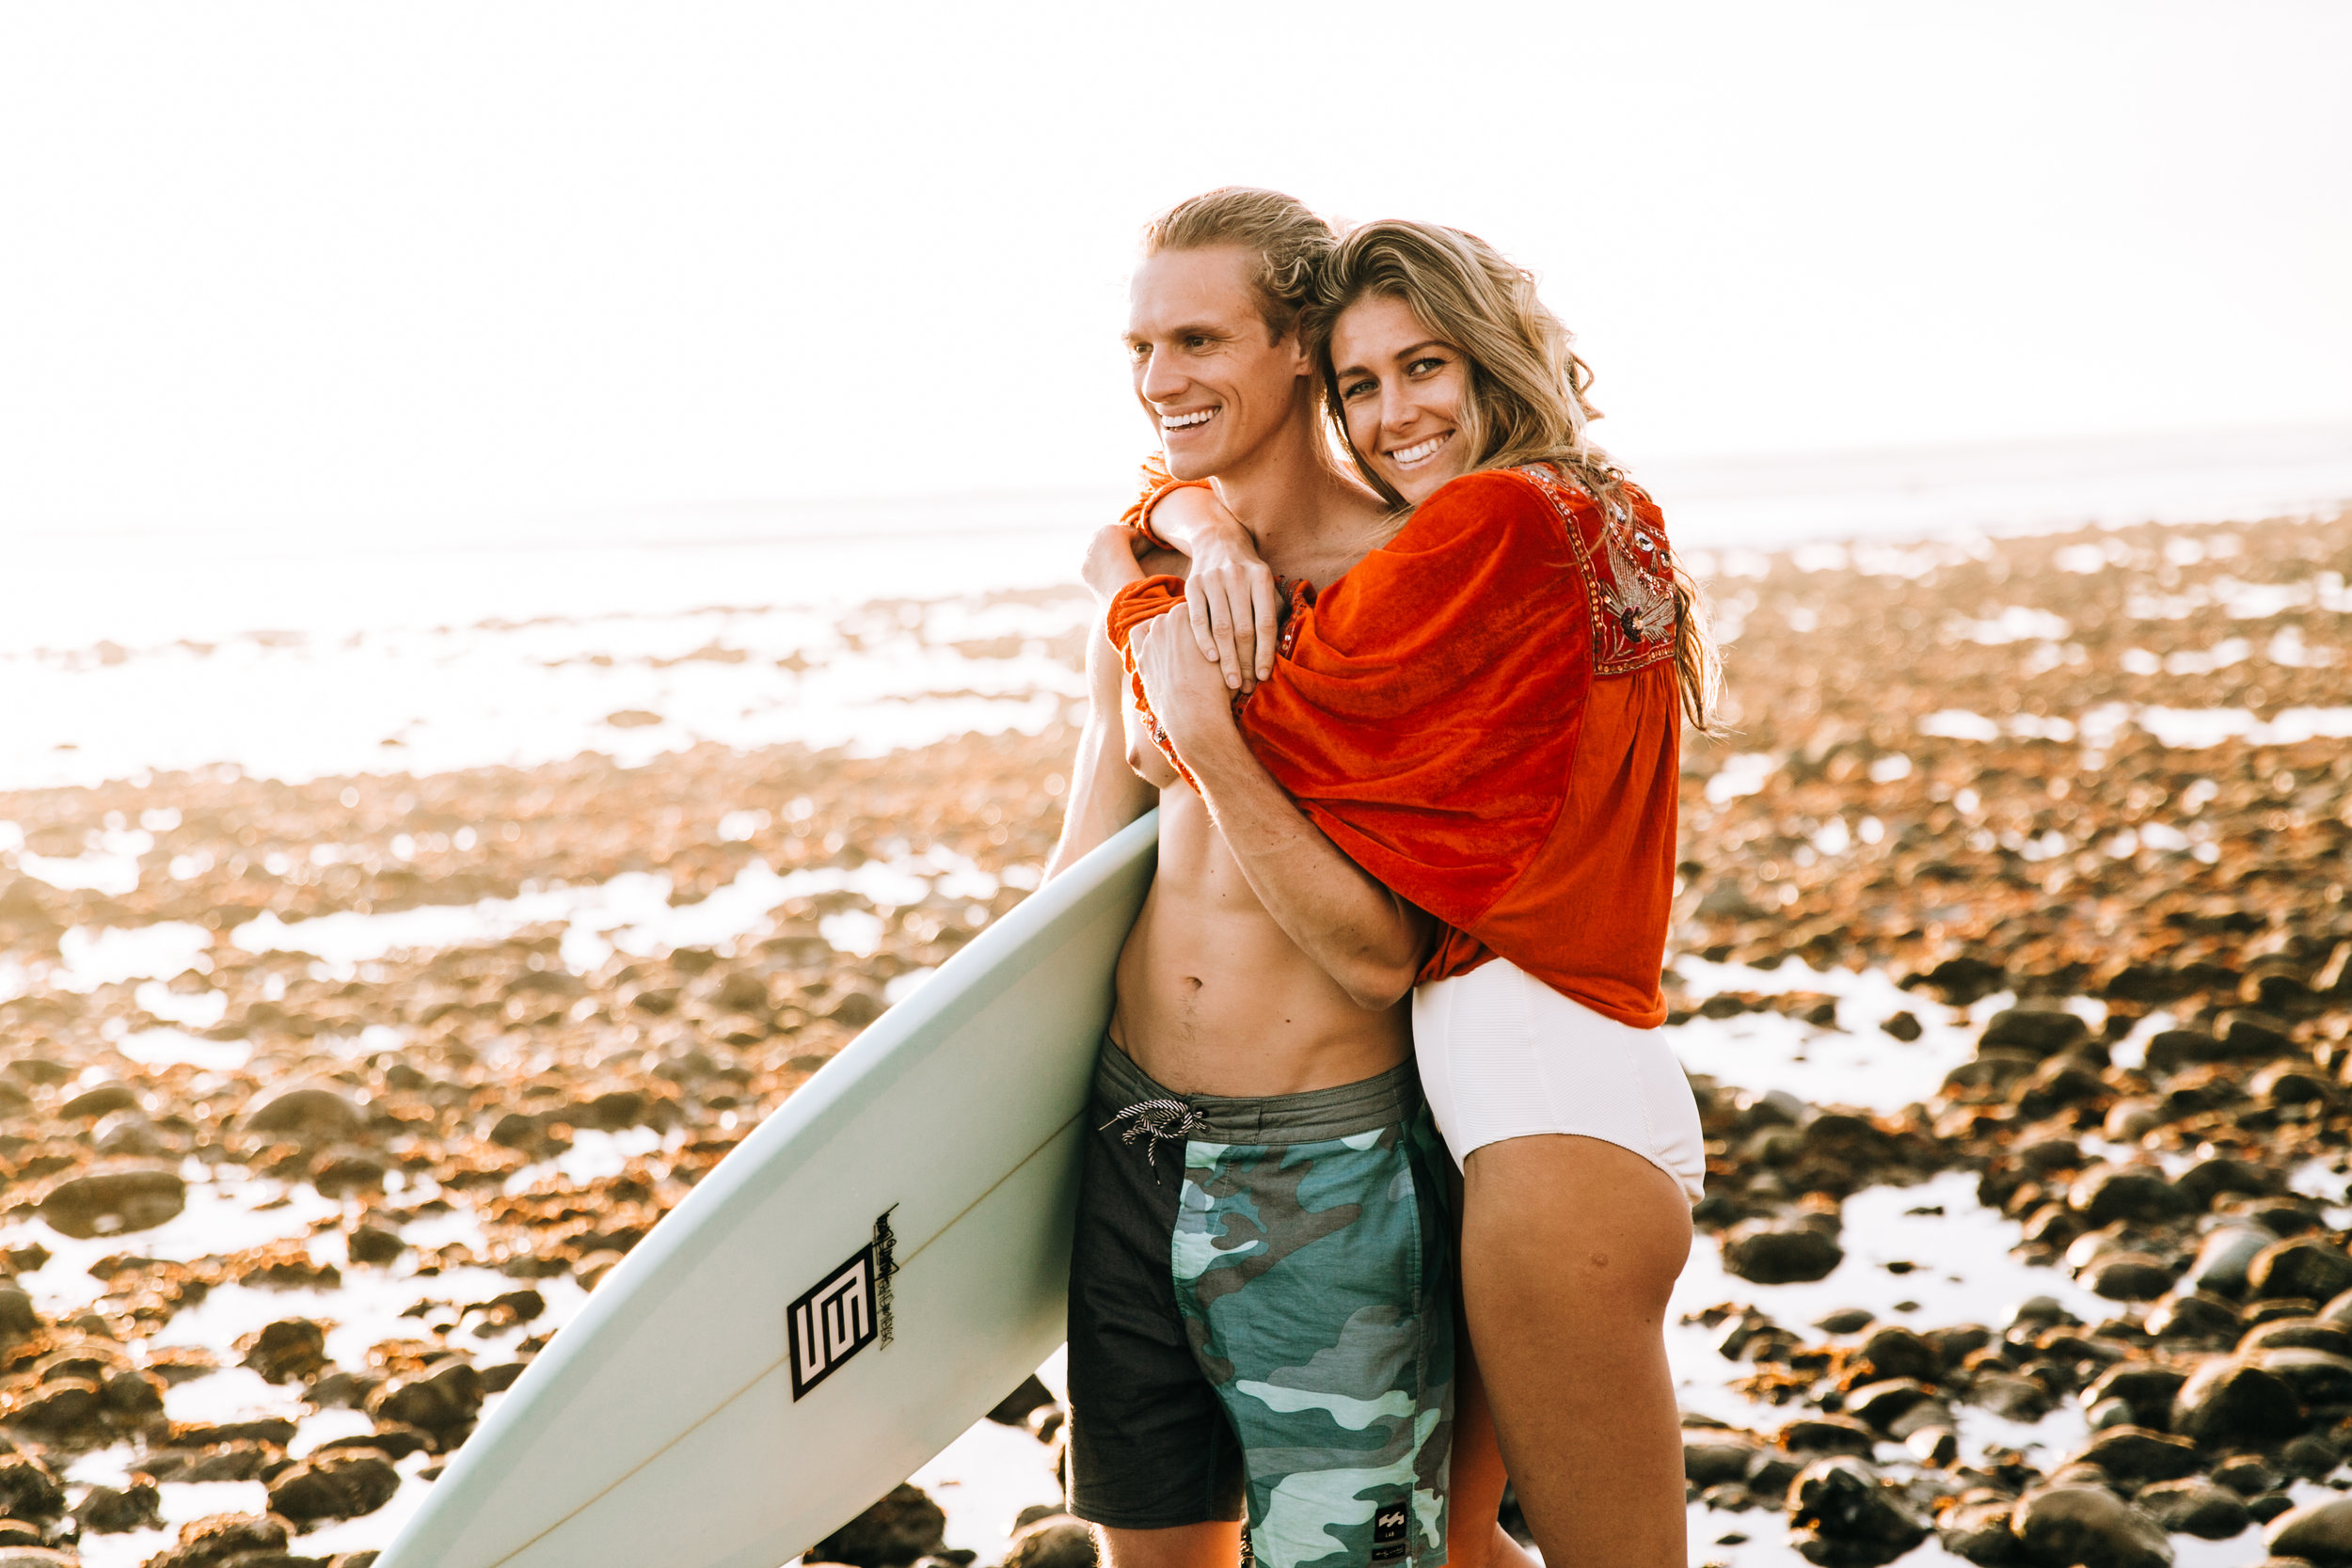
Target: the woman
(1484, 714)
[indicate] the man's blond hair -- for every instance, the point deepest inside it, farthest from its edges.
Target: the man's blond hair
(1289, 243)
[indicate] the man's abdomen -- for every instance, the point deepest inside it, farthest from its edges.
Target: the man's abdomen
(1214, 998)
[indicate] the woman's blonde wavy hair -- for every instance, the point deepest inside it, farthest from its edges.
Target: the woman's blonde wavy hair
(1527, 401)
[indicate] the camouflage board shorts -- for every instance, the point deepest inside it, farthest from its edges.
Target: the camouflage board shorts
(1261, 1319)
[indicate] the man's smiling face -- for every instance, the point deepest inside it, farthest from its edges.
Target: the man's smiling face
(1208, 373)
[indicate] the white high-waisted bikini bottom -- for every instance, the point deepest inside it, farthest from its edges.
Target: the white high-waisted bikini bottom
(1503, 1056)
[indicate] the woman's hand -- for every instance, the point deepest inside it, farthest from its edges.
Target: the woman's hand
(1193, 706)
(1110, 562)
(1229, 598)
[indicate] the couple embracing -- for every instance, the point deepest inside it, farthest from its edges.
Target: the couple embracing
(1389, 1169)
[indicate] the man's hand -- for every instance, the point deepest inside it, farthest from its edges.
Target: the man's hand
(1111, 560)
(1194, 707)
(1229, 596)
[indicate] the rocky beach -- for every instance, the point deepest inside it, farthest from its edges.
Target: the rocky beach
(2014, 967)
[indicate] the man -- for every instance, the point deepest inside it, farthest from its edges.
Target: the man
(1259, 1287)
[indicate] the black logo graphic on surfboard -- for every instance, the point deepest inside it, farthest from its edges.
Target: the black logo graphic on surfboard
(843, 1313)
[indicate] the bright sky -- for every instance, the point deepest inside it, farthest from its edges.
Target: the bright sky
(338, 261)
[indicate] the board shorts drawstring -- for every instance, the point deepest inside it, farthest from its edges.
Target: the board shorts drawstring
(1157, 1121)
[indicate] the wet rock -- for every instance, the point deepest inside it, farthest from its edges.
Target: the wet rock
(2042, 1031)
(2225, 1255)
(373, 1244)
(1895, 1353)
(17, 1316)
(1712, 1457)
(2170, 1050)
(2107, 1192)
(292, 1350)
(2245, 1474)
(111, 1203)
(2210, 1178)
(131, 1393)
(2193, 1316)
(28, 1489)
(1880, 1405)
(1850, 1319)
(115, 1510)
(1904, 1026)
(2281, 1216)
(1844, 1517)
(2303, 1266)
(277, 1430)
(2312, 1456)
(1772, 1252)
(2291, 1084)
(2245, 1032)
(2127, 1276)
(2195, 1508)
(438, 1402)
(1828, 1434)
(59, 1408)
(104, 1100)
(343, 1390)
(2136, 1455)
(2319, 1533)
(1934, 1445)
(1056, 1541)
(36, 1557)
(350, 1173)
(1977, 1532)
(2228, 1400)
(312, 1114)
(220, 1539)
(904, 1526)
(744, 991)
(342, 1483)
(2061, 1526)
(2314, 1376)
(2147, 1389)
(1962, 980)
(2011, 1398)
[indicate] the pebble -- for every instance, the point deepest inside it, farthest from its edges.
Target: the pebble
(1844, 1515)
(1056, 1541)
(2065, 1526)
(905, 1524)
(2317, 1532)
(114, 1200)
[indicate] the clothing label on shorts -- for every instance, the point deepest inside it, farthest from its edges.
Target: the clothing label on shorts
(1387, 1533)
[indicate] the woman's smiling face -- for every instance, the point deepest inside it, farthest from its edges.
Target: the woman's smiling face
(1401, 390)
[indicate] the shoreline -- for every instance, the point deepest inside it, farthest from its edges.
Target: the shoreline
(412, 1058)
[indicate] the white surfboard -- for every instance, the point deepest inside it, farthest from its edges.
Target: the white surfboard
(754, 1374)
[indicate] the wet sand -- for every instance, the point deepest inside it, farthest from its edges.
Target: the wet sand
(2011, 958)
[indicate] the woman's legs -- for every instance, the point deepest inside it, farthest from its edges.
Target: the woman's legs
(1475, 1479)
(1570, 1247)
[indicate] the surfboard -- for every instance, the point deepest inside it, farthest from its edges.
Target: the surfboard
(869, 1273)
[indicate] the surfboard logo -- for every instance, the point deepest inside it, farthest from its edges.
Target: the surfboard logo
(832, 1322)
(844, 1312)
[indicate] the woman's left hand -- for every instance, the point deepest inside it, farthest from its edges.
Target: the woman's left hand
(1187, 693)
